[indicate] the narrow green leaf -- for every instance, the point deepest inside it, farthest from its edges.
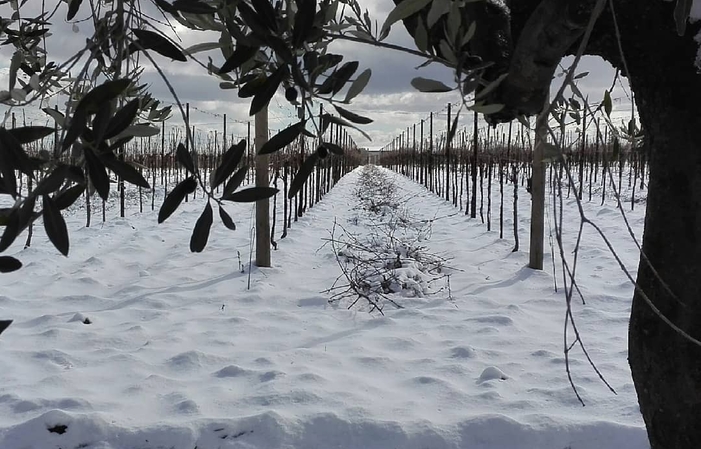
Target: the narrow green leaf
(12, 230)
(99, 95)
(338, 79)
(193, 7)
(7, 169)
(100, 122)
(438, 9)
(17, 221)
(149, 40)
(263, 96)
(343, 74)
(421, 36)
(58, 117)
(15, 154)
(27, 134)
(332, 147)
(235, 181)
(75, 174)
(73, 7)
(230, 160)
(203, 46)
(127, 172)
(185, 158)
(327, 61)
(240, 56)
(402, 11)
(328, 118)
(283, 138)
(352, 116)
(469, 34)
(226, 219)
(302, 174)
(200, 234)
(7, 265)
(252, 86)
(327, 86)
(55, 225)
(487, 109)
(280, 47)
(428, 85)
(97, 174)
(5, 215)
(27, 214)
(265, 11)
(303, 23)
(453, 22)
(251, 194)
(446, 50)
(75, 128)
(138, 130)
(53, 181)
(69, 196)
(122, 118)
(311, 61)
(175, 197)
(252, 19)
(364, 36)
(15, 64)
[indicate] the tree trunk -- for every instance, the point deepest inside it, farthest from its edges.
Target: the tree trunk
(666, 367)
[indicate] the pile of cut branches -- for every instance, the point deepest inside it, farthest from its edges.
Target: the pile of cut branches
(389, 262)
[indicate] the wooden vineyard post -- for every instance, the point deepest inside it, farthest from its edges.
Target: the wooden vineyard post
(538, 194)
(262, 206)
(447, 159)
(475, 145)
(430, 152)
(187, 134)
(422, 158)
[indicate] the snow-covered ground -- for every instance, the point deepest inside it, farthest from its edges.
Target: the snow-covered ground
(180, 353)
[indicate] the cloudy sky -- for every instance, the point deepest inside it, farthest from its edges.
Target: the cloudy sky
(389, 98)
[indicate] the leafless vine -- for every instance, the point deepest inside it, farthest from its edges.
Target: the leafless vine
(389, 262)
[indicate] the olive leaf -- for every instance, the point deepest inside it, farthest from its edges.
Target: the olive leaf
(200, 234)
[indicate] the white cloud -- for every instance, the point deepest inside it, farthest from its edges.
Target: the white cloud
(389, 98)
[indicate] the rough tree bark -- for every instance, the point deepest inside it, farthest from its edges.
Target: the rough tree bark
(666, 367)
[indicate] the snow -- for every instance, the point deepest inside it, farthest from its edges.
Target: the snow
(179, 353)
